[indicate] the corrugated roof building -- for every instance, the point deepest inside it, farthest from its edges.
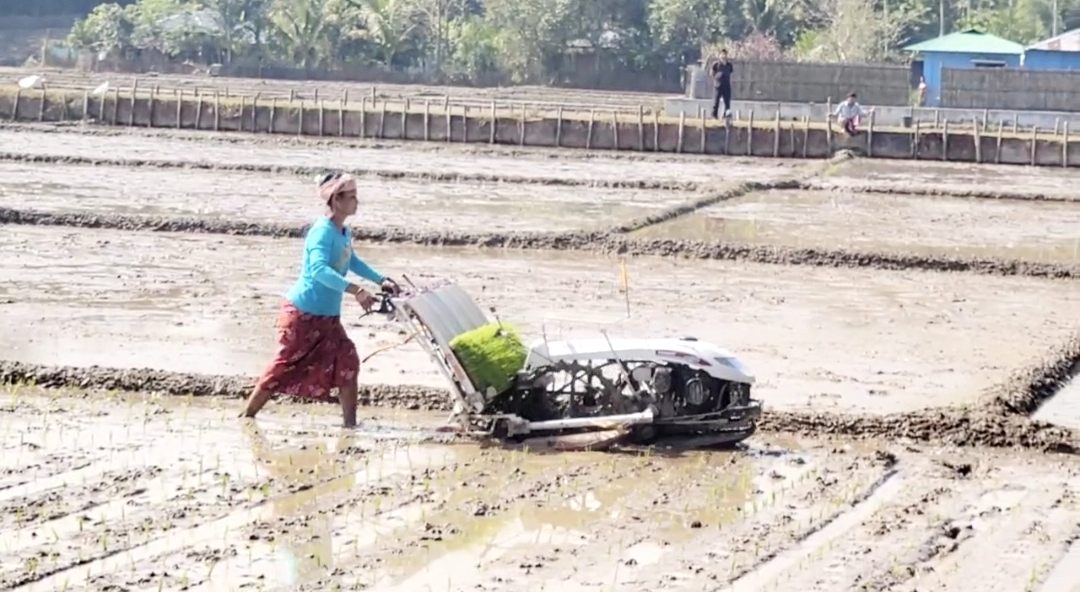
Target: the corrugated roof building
(963, 49)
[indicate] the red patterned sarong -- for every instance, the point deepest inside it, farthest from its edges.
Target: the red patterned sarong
(314, 356)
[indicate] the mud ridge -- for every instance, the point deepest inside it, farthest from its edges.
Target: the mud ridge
(599, 242)
(1027, 389)
(692, 206)
(939, 192)
(956, 427)
(312, 172)
(773, 255)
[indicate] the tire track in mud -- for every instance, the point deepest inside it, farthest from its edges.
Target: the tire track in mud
(309, 172)
(201, 521)
(939, 192)
(598, 242)
(977, 426)
(949, 514)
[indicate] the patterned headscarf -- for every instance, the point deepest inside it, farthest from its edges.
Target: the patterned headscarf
(331, 184)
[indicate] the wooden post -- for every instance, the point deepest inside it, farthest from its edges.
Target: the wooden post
(704, 130)
(41, 106)
(427, 120)
(828, 133)
(1057, 125)
(592, 120)
(641, 128)
(382, 121)
(243, 105)
(217, 110)
(776, 137)
(15, 108)
(131, 115)
(491, 132)
(85, 105)
(978, 141)
(179, 109)
(727, 136)
(997, 151)
(405, 120)
(363, 116)
(273, 115)
(656, 131)
(870, 137)
(345, 97)
(198, 109)
(682, 131)
(1034, 143)
(937, 118)
(115, 105)
(615, 130)
(558, 128)
(341, 116)
(153, 102)
(521, 128)
(322, 118)
(1016, 122)
(805, 135)
(750, 135)
(791, 138)
(300, 125)
(255, 113)
(465, 124)
(915, 140)
(945, 140)
(449, 120)
(985, 119)
(1065, 145)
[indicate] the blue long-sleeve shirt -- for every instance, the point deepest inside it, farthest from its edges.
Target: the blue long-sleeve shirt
(328, 256)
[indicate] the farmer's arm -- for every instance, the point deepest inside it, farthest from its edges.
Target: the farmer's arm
(320, 244)
(362, 269)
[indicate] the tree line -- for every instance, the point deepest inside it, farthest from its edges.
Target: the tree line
(533, 40)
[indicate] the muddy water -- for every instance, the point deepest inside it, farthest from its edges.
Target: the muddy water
(1064, 408)
(957, 176)
(816, 338)
(417, 206)
(1041, 232)
(262, 152)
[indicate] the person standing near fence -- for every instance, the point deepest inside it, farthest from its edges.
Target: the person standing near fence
(721, 74)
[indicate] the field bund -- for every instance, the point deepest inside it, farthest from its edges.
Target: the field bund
(616, 129)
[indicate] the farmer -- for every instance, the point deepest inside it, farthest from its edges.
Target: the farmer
(314, 353)
(721, 74)
(848, 113)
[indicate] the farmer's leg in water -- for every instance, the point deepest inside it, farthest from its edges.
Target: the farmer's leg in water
(315, 355)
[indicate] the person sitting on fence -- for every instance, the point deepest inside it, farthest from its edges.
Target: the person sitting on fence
(848, 114)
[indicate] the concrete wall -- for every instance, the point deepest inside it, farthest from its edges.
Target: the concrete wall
(1011, 88)
(884, 115)
(879, 84)
(786, 139)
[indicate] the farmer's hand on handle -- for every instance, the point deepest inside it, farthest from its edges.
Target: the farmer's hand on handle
(365, 299)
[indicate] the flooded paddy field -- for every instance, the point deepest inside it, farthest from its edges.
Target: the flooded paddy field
(103, 490)
(830, 339)
(416, 206)
(236, 150)
(923, 176)
(147, 493)
(869, 222)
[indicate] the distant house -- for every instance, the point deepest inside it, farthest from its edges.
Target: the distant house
(1057, 53)
(963, 49)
